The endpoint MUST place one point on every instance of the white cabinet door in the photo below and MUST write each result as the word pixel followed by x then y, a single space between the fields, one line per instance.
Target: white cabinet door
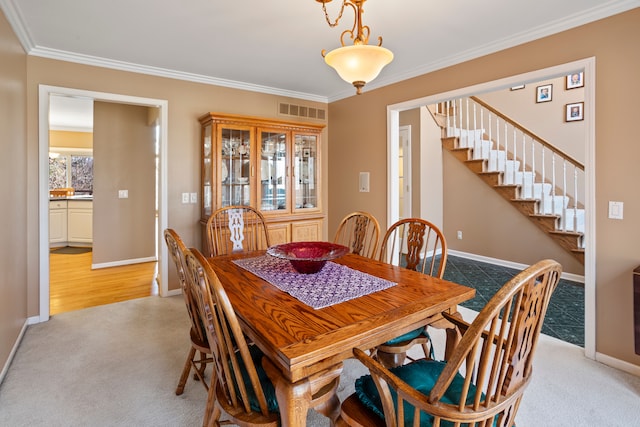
pixel 80 222
pixel 58 221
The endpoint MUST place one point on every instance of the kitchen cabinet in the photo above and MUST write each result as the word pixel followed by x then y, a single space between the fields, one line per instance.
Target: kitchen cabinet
pixel 80 221
pixel 57 223
pixel 269 164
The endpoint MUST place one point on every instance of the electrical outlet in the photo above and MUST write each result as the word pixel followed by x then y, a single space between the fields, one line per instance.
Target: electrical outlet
pixel 459 235
pixel 194 197
pixel 185 198
pixel 123 194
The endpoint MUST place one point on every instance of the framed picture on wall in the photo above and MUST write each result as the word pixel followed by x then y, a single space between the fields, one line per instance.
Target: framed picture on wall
pixel 574 112
pixel 575 80
pixel 544 93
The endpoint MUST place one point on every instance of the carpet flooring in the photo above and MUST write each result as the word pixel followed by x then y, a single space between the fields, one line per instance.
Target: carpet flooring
pixel 565 316
pixel 118 365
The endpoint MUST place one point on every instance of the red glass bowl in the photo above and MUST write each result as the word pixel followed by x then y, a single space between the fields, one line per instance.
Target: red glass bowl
pixel 308 257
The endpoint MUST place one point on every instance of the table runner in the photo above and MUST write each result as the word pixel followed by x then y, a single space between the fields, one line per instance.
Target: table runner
pixel 334 284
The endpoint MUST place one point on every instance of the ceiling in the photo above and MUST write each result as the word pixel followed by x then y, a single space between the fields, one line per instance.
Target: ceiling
pixel 274 46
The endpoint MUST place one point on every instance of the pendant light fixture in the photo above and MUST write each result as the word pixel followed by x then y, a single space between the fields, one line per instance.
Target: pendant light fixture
pixel 359 63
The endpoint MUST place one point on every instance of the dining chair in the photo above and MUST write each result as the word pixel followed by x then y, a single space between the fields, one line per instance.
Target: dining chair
pixel 484 379
pixel 236 229
pixel 243 391
pixel 419 245
pixel 359 231
pixel 197 335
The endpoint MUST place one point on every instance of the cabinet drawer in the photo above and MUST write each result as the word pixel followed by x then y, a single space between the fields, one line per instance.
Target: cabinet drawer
pixel 58 204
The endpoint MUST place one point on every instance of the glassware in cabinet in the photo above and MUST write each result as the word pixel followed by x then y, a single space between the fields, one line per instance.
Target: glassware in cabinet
pixel 273 171
pixel 235 166
pixel 306 171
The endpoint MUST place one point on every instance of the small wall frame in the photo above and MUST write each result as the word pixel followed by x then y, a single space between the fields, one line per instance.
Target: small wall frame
pixel 544 93
pixel 574 112
pixel 575 80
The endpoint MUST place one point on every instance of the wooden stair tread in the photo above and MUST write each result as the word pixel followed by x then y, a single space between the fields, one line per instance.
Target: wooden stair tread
pixel 568 240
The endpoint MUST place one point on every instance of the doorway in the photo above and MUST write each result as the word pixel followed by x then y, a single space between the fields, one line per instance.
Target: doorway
pixel 587 65
pixel 45 92
pixel 404 174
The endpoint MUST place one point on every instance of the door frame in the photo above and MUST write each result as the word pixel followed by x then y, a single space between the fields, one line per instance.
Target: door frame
pixel 589 66
pixel 406 172
pixel 44 92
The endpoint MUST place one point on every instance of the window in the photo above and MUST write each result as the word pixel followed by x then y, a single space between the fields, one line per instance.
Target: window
pixel 73 170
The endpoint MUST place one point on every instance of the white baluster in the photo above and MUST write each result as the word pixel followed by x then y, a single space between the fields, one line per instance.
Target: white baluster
pixel 564 193
pixel 553 183
pixel 544 167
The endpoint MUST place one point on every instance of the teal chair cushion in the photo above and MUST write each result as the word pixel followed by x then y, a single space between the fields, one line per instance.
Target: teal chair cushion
pixel 410 336
pixel 422 376
pixel 406 337
pixel 267 385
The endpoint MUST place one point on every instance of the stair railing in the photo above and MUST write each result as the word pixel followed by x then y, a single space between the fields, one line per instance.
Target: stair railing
pixel 523 157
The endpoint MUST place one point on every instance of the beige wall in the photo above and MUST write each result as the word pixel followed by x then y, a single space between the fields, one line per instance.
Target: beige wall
pixel 545 119
pixel 186 102
pixel 13 187
pixel 124 159
pixel 613 42
pixel 69 139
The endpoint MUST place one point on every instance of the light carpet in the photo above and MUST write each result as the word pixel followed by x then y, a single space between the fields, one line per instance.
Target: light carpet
pixel 118 365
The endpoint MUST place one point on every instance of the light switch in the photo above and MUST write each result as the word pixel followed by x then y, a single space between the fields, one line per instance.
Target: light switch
pixel 185 198
pixel 193 198
pixel 123 194
pixel 615 210
pixel 363 182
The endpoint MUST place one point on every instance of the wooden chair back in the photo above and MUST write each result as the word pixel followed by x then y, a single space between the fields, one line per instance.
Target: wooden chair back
pixel 416 244
pixel 177 249
pixel 360 232
pixel 237 381
pixel 494 355
pixel 236 229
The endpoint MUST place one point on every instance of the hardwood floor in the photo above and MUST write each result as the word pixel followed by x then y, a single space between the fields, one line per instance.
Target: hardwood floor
pixel 73 285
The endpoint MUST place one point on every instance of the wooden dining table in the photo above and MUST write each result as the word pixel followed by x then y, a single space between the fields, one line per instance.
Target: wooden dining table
pixel 305 347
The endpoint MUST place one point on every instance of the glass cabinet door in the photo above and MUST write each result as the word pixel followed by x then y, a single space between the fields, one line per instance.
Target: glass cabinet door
pixel 235 166
pixel 273 171
pixel 207 176
pixel 306 171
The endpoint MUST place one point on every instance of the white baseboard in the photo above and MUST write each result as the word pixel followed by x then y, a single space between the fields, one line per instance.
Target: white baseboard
pixel 621 365
pixel 123 262
pixel 5 368
pixel 509 264
pixel 173 292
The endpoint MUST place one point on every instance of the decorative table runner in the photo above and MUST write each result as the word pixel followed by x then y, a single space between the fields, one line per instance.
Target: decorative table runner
pixel 334 284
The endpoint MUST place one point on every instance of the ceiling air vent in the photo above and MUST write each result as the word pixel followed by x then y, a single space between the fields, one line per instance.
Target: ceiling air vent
pixel 285 109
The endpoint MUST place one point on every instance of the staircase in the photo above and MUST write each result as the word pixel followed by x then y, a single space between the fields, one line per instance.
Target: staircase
pixel 542 182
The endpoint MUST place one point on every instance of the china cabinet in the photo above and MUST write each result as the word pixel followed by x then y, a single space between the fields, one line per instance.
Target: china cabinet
pixel 272 165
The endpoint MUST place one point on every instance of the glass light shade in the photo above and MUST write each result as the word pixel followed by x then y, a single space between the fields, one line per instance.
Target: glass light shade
pixel 359 63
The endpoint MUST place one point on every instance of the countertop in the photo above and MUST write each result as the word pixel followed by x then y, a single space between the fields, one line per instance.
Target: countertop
pixel 79 197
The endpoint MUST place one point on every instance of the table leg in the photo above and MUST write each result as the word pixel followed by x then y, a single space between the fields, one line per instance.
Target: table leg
pixel 295 399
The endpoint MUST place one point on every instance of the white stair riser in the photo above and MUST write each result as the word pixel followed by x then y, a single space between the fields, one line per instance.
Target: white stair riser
pixel 570 219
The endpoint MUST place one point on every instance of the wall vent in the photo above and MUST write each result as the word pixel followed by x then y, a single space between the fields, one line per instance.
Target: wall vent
pixel 285 109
